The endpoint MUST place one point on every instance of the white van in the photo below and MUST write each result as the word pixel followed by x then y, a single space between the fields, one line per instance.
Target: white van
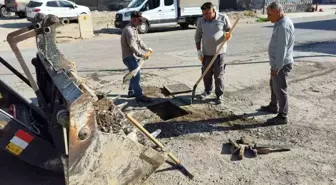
pixel 160 13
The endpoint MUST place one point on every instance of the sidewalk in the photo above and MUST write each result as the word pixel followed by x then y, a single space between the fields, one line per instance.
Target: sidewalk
pixel 327 10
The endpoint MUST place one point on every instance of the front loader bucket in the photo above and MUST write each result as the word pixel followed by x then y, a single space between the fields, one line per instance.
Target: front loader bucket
pixel 98 158
pixel 115 160
pixel 66 104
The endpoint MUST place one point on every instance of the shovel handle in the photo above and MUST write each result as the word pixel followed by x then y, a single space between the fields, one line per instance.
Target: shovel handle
pixel 141 63
pixel 150 136
pixel 214 57
pixel 158 143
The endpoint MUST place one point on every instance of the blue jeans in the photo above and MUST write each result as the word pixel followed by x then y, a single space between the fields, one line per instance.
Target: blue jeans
pixel 134 86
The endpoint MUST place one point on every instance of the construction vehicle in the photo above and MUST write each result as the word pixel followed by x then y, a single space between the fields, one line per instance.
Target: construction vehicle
pixel 59 133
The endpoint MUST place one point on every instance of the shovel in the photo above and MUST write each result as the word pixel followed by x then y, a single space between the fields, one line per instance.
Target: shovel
pixel 159 144
pixel 132 74
pixel 211 62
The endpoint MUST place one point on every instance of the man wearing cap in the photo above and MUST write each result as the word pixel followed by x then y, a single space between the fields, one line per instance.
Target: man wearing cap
pixel 130 46
pixel 210 31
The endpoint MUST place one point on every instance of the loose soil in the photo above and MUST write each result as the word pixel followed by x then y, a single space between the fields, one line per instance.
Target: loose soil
pixel 108 118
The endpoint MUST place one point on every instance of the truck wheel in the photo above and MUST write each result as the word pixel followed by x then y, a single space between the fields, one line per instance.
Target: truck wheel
pixel 196 21
pixel 65 21
pixel 4 12
pixel 21 15
pixel 143 28
pixel 184 25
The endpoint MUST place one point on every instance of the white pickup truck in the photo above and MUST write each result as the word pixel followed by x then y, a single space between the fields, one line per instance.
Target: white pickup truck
pixel 160 13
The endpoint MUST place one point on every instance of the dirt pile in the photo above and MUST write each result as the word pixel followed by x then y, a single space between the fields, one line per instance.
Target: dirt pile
pixel 109 119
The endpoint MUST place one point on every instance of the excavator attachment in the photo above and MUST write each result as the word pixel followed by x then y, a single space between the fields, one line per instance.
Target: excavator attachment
pixel 68 110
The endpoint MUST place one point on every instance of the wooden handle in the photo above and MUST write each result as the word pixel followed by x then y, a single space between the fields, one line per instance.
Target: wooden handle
pixel 219 49
pixel 241 153
pixel 141 63
pixel 234 143
pixel 158 143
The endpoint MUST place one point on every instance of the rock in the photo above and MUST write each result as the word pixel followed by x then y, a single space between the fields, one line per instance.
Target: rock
pixel 133 136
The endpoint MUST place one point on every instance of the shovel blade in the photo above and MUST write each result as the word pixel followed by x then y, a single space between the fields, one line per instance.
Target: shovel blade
pixel 130 75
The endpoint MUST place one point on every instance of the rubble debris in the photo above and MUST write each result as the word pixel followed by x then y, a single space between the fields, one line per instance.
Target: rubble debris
pixel 111 120
pixel 108 117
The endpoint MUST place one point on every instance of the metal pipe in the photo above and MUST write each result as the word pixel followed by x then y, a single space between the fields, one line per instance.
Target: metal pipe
pixel 13 70
pixel 13 39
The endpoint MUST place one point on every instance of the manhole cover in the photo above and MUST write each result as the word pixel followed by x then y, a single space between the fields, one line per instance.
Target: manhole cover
pixel 167 110
pixel 177 88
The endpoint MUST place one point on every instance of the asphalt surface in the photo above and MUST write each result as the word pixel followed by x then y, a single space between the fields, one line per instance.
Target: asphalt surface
pixel 172 47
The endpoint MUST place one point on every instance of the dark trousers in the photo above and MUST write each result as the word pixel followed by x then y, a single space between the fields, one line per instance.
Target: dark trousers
pixel 217 70
pixel 134 86
pixel 279 94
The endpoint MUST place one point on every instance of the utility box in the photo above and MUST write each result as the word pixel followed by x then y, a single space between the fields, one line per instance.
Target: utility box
pixel 85 26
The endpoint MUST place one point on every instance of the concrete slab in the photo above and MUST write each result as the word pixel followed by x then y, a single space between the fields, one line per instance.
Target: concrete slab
pixel 177 88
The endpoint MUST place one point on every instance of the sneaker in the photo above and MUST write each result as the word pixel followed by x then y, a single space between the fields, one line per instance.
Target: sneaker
pixel 219 100
pixel 270 108
pixel 205 95
pixel 278 120
pixel 144 99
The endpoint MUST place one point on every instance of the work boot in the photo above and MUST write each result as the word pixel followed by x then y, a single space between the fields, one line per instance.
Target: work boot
pixel 205 95
pixel 270 108
pixel 144 99
pixel 130 95
pixel 219 100
pixel 278 120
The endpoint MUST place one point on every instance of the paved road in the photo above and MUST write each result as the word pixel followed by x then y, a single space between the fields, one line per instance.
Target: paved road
pixel 171 48
pixel 176 47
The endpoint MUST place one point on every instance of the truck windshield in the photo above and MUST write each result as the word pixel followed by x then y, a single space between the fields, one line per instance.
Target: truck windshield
pixel 135 3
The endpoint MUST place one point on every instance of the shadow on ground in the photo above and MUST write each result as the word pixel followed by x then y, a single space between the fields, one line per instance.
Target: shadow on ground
pixel 327 25
pixel 16 172
pixel 153 30
pixel 228 123
pixel 327 47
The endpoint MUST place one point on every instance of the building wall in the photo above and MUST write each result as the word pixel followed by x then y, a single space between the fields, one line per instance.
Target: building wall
pixel 289 5
pixel 103 4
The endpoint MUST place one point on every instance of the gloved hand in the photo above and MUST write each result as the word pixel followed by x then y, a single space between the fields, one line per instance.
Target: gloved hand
pixel 228 36
pixel 200 55
pixel 150 50
pixel 146 55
